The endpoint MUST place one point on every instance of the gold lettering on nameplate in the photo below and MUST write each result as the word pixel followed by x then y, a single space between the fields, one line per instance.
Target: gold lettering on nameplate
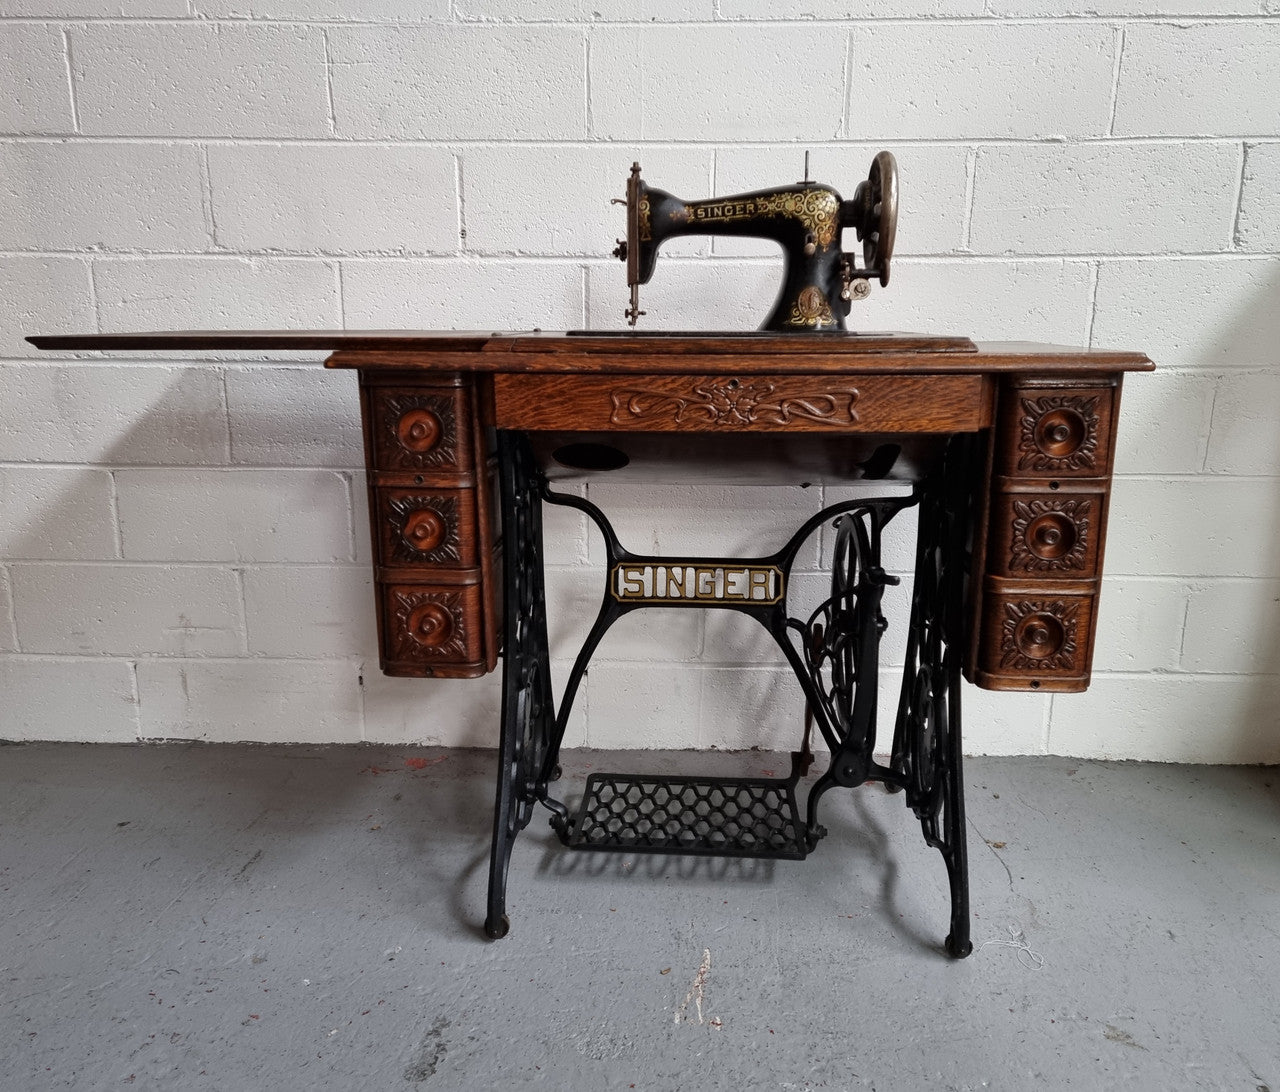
pixel 680 583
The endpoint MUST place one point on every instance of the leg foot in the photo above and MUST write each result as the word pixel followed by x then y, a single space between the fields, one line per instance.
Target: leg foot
pixel 496 930
pixel 958 949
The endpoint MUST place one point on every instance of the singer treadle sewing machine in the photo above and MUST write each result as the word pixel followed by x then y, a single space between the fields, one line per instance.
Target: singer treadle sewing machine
pixel 819 280
pixel 1007 449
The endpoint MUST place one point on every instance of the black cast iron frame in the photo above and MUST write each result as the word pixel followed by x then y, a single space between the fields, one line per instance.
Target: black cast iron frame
pixel 834 654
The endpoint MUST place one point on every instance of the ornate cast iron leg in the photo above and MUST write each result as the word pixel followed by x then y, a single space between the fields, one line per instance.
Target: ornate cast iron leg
pixel 835 655
pixel 528 713
pixel 927 745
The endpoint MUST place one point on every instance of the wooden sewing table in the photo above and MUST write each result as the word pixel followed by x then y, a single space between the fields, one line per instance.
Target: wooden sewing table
pixel 1009 447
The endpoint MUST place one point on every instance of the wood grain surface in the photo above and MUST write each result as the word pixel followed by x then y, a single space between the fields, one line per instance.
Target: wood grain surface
pixel 536 351
pixel 756 403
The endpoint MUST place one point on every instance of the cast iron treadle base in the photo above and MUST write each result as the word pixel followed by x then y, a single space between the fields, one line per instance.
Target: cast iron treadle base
pixel 709 816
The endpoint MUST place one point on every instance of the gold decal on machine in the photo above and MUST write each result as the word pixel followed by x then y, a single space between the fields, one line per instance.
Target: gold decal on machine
pixel 695 584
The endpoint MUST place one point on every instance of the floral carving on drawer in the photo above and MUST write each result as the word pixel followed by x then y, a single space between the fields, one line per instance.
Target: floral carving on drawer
pixel 1058 432
pixel 1039 635
pixel 419 431
pixel 1049 535
pixel 428 624
pixel 424 528
pixel 736 403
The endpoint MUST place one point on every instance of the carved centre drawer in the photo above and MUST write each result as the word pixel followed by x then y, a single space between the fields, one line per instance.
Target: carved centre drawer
pixel 741 403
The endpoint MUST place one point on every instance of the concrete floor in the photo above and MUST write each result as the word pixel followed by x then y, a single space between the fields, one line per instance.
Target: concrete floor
pixel 250 917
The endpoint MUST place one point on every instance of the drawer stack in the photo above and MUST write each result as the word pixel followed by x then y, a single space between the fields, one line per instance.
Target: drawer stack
pixel 1051 481
pixel 432 511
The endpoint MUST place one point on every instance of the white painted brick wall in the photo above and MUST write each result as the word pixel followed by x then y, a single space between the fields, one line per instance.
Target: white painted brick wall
pixel 110 197
pixel 1258 228
pixel 42 294
pixel 234 515
pixel 184 548
pixel 8 628
pixel 135 610
pixel 57 512
pixel 332 198
pixel 34 96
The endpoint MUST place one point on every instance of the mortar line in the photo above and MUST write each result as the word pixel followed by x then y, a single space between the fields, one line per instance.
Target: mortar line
pixel 1046 727
pixel 1182 637
pixel 237 574
pixel 600 257
pixel 137 699
pixel 589 121
pixel 460 196
pixel 92 295
pixel 226 420
pixel 172 563
pixel 206 196
pixel 1095 270
pixel 970 185
pixel 342 292
pixel 328 85
pixel 696 143
pixel 94 301
pixel 1234 243
pixel 349 481
pixel 13 608
pixel 213 468
pixel 845 107
pixel 114 506
pixel 1213 413
pixel 586 297
pixel 713 22
pixel 1115 79
pixel 71 80
pixel 361 719
pixel 781 667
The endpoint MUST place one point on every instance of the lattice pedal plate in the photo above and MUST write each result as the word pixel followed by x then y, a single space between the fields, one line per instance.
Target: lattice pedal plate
pixel 707 816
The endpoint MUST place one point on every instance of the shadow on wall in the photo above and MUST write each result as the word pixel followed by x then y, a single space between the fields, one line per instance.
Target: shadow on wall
pixel 152 442
pixel 1253 338
pixel 1252 334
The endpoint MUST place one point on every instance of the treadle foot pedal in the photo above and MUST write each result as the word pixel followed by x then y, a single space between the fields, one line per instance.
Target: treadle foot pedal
pixel 706 816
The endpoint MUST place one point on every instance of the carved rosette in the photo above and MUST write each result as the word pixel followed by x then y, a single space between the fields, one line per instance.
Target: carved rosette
pixel 1039 635
pixel 735 403
pixel 420 431
pixel 428 624
pixel 1050 536
pixel 424 529
pixel 1058 433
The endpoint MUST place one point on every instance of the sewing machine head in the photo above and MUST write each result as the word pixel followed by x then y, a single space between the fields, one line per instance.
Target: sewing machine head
pixel 820 281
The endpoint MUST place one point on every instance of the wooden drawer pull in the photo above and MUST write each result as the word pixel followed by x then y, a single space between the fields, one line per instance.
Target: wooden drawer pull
pixel 419 430
pixel 424 529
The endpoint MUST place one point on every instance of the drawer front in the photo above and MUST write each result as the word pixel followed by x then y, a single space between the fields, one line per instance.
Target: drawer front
pixel 759 403
pixel 426 526
pixel 433 524
pixel 1056 432
pixel 1037 641
pixel 420 428
pixel 1046 533
pixel 432 629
